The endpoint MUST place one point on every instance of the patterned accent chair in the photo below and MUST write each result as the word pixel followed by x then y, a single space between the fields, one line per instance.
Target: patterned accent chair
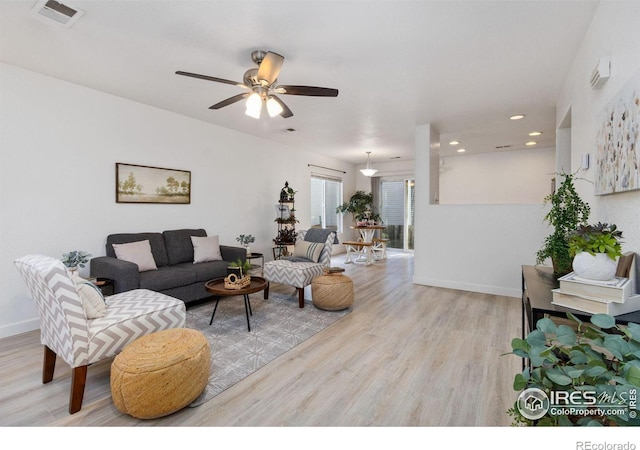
pixel 296 273
pixel 65 330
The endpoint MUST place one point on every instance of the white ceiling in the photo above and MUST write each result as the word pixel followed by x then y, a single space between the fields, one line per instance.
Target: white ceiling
pixel 462 66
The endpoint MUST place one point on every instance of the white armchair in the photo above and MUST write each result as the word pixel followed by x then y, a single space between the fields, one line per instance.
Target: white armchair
pixel 66 331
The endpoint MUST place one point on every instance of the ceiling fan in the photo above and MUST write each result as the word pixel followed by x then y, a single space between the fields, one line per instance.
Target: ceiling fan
pixel 261 85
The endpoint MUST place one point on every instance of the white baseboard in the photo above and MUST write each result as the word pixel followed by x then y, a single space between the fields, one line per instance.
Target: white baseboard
pixel 471 287
pixel 13 329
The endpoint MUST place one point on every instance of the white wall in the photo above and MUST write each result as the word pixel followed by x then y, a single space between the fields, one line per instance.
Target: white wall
pixel 613 32
pixel 518 176
pixel 481 247
pixel 477 248
pixel 58 149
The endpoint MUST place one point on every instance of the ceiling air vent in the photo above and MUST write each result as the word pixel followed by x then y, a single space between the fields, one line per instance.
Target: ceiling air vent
pixel 601 73
pixel 61 13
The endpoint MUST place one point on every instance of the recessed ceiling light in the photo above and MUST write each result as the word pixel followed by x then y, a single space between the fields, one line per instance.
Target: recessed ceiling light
pixel 517 117
pixel 454 143
pixel 535 133
pixel 530 143
pixel 461 150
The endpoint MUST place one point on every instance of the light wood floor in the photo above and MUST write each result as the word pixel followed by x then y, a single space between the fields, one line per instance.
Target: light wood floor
pixel 407 355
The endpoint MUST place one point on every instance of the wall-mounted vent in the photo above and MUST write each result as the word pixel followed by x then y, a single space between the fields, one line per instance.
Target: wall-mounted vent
pixel 503 146
pixel 62 13
pixel 601 73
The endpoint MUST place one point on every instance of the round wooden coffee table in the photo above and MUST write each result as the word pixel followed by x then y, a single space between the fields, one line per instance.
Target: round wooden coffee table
pixel 217 289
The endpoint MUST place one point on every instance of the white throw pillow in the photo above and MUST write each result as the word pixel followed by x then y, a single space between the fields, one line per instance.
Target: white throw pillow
pixel 309 250
pixel 92 300
pixel 206 249
pixel 138 253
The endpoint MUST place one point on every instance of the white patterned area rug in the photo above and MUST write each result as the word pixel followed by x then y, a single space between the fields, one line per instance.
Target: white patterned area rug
pixel 277 325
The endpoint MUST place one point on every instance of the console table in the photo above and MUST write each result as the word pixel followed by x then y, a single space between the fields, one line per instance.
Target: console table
pixel 537 283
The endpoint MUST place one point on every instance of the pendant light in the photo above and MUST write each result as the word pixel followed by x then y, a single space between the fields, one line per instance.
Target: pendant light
pixel 368 172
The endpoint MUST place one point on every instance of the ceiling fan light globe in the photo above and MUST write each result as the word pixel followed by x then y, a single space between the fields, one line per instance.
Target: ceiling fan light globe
pixel 273 107
pixel 254 106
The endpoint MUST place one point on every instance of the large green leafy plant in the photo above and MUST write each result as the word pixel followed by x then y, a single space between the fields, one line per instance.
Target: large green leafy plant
pixel 361 206
pixel 599 357
pixel 567 212
pixel 599 238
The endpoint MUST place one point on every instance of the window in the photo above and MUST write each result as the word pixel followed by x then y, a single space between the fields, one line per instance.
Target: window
pixel 326 196
pixel 397 200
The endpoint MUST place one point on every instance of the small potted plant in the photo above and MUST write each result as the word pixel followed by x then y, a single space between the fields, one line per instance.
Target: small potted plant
pixel 239 267
pixel 245 240
pixel 595 249
pixel 75 259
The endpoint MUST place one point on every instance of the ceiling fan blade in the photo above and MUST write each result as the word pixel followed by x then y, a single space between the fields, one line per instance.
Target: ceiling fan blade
pixel 286 112
pixel 270 67
pixel 207 77
pixel 230 100
pixel 312 91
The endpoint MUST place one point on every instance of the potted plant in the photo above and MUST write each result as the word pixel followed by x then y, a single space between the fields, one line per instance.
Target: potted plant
pixel 595 249
pixel 361 206
pixel 245 240
pixel 75 259
pixel 567 212
pixel 287 194
pixel 588 373
pixel 239 267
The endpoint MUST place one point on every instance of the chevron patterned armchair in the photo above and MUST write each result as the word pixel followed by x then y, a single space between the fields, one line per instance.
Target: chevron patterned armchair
pixel 299 272
pixel 66 332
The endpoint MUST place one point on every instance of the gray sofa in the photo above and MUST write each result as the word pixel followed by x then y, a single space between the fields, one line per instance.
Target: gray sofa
pixel 172 250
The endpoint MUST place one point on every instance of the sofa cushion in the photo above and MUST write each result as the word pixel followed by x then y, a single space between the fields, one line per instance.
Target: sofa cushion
pixel 166 278
pixel 156 240
pixel 309 250
pixel 138 253
pixel 207 270
pixel 179 245
pixel 206 249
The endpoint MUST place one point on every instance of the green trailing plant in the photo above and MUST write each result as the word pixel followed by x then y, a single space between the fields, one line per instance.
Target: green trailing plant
pixel 245 239
pixel 75 259
pixel 361 206
pixel 598 238
pixel 567 212
pixel 596 363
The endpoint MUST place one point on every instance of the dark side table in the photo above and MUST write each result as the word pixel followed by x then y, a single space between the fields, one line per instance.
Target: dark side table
pixel 537 283
pixel 260 256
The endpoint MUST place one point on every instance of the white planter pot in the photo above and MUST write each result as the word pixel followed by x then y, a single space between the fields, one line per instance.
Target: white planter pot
pixel 597 267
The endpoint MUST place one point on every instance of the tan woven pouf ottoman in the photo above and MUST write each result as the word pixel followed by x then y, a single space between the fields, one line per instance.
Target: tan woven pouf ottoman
pixel 332 291
pixel 161 373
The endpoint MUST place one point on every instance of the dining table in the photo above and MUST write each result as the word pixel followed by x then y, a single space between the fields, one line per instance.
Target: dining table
pixel 368 231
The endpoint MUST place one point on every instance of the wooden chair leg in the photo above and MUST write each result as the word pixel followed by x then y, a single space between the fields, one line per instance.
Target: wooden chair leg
pixel 301 297
pixel 78 381
pixel 48 365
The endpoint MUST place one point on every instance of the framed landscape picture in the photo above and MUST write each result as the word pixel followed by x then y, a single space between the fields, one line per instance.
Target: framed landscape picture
pixel 146 184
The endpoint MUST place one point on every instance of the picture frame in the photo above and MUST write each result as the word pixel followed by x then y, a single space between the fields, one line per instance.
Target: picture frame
pixel 283 211
pixel 149 184
pixel 617 150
